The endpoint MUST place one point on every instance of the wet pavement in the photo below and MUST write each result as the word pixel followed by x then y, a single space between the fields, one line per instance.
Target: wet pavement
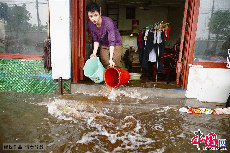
pixel 143 83
pixel 127 122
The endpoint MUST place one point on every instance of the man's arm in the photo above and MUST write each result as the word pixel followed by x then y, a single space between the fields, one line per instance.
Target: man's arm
pixel 95 48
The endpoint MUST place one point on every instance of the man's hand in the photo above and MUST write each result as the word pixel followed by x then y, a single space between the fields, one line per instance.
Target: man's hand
pixel 93 55
pixel 111 63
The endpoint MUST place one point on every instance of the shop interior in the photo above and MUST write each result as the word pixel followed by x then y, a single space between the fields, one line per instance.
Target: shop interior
pixel 139 22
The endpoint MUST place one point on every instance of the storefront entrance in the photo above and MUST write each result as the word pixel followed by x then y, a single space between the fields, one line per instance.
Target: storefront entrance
pixel 133 17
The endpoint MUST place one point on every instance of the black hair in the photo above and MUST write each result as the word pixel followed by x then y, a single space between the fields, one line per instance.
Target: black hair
pixel 92 7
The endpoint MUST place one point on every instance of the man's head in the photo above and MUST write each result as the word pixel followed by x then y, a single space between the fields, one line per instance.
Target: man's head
pixel 92 7
pixel 93 12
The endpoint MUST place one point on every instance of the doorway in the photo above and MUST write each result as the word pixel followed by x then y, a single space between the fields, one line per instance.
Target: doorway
pixel 145 14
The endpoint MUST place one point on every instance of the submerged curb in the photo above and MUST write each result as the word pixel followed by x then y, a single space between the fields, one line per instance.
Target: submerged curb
pixel 150 92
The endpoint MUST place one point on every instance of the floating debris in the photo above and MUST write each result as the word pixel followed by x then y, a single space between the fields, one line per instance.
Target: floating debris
pixel 217 111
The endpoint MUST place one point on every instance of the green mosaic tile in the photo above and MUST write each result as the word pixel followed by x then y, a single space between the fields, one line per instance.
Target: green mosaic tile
pixel 67 85
pixel 27 76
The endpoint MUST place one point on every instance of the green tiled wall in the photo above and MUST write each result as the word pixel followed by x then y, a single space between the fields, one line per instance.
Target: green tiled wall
pixel 27 76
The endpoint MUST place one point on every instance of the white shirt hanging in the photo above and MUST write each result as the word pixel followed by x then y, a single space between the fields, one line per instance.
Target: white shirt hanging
pixel 155 37
pixel 152 56
pixel 159 40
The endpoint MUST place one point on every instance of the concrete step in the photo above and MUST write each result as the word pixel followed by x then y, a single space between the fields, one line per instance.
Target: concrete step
pixel 99 89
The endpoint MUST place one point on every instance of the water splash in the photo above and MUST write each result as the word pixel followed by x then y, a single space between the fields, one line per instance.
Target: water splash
pixel 124 134
pixel 114 94
pixel 70 109
pixel 134 94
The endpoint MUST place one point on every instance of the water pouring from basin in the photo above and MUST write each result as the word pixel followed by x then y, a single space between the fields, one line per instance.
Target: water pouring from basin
pixel 115 77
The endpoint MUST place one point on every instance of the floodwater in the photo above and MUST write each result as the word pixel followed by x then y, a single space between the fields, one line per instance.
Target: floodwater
pixel 112 123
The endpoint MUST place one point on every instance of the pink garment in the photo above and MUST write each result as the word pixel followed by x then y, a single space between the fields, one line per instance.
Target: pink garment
pixel 168 30
pixel 139 40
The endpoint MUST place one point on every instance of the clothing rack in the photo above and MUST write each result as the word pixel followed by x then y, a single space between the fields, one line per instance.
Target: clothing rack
pixel 159 26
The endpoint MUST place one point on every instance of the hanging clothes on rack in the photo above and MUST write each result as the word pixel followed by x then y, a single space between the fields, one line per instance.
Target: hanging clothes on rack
pixel 152 56
pixel 157 40
pixel 146 48
pixel 151 43
pixel 159 48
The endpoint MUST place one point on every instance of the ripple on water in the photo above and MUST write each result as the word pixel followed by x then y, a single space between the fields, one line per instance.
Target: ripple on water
pixel 160 129
pixel 101 130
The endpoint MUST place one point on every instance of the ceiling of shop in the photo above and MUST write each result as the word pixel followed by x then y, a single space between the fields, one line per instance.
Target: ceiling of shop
pixel 147 3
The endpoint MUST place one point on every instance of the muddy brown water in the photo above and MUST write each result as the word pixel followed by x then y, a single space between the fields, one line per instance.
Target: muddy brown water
pixel 91 123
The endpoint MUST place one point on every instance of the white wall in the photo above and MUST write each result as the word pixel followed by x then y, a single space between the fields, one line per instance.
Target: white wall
pixel 146 17
pixel 60 38
pixel 208 84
